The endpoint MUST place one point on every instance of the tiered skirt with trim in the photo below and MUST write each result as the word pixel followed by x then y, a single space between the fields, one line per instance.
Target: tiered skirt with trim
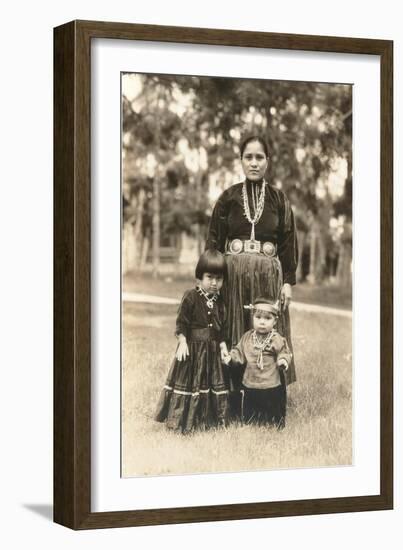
pixel 195 395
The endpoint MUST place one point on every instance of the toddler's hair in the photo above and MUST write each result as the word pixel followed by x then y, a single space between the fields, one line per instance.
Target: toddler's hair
pixel 211 261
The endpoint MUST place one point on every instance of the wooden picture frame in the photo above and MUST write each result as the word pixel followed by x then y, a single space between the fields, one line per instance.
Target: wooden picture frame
pixel 72 274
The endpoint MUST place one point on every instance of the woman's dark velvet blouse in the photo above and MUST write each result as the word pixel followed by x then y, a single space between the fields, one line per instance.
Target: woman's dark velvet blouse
pixel 276 225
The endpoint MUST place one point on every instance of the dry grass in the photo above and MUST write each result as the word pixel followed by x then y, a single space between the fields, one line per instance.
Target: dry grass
pixel 318 431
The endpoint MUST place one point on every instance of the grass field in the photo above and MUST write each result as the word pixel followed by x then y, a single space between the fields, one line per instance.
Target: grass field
pixel 319 419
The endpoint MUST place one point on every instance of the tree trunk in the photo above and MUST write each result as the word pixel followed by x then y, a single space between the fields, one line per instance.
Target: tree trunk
pixel 156 228
pixel 197 228
pixel 138 227
pixel 343 276
pixel 144 252
pixel 344 264
pixel 301 244
pixel 321 257
pixel 126 248
pixel 130 248
pixel 312 257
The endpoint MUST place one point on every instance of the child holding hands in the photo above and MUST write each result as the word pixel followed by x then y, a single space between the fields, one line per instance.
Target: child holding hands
pixel 195 394
pixel 265 355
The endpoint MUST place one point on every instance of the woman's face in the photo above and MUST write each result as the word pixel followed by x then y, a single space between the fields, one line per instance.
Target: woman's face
pixel 254 161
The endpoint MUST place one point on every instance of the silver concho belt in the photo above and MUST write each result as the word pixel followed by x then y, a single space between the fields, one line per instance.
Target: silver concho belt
pixel 237 246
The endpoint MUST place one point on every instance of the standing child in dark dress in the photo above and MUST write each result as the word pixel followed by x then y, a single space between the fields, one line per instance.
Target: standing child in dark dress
pixel 196 391
pixel 265 355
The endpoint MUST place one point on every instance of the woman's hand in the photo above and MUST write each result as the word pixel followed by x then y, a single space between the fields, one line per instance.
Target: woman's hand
pixel 286 295
pixel 182 351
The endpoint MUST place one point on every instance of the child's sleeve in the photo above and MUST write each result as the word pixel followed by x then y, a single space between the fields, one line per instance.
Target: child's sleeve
pixel 283 351
pixel 237 353
pixel 184 317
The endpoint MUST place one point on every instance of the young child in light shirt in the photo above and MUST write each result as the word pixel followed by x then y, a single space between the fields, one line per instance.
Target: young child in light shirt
pixel 265 355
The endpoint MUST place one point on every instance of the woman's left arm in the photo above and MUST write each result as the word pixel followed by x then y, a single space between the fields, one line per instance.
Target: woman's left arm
pixel 286 295
pixel 217 231
pixel 287 250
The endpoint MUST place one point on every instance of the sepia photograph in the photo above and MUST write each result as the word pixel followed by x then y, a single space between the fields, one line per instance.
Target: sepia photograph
pixel 236 274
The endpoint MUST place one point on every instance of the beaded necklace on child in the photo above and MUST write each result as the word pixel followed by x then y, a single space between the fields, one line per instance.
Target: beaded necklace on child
pixel 261 345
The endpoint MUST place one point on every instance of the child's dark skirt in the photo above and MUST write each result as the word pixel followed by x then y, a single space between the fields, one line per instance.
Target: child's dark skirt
pixel 195 395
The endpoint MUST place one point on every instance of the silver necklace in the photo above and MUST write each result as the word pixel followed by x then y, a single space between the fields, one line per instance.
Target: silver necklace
pixel 258 208
pixel 209 300
pixel 261 345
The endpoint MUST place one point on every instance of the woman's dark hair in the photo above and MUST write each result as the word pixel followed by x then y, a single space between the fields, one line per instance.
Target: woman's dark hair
pixel 211 261
pixel 250 139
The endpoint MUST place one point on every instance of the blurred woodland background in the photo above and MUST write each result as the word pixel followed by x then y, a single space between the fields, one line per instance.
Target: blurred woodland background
pixel 180 149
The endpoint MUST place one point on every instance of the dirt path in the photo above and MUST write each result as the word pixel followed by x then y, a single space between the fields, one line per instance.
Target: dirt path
pixel 299 306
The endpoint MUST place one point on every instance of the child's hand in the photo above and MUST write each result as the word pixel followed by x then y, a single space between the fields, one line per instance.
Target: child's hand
pixel 225 356
pixel 282 364
pixel 182 351
pixel 223 351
